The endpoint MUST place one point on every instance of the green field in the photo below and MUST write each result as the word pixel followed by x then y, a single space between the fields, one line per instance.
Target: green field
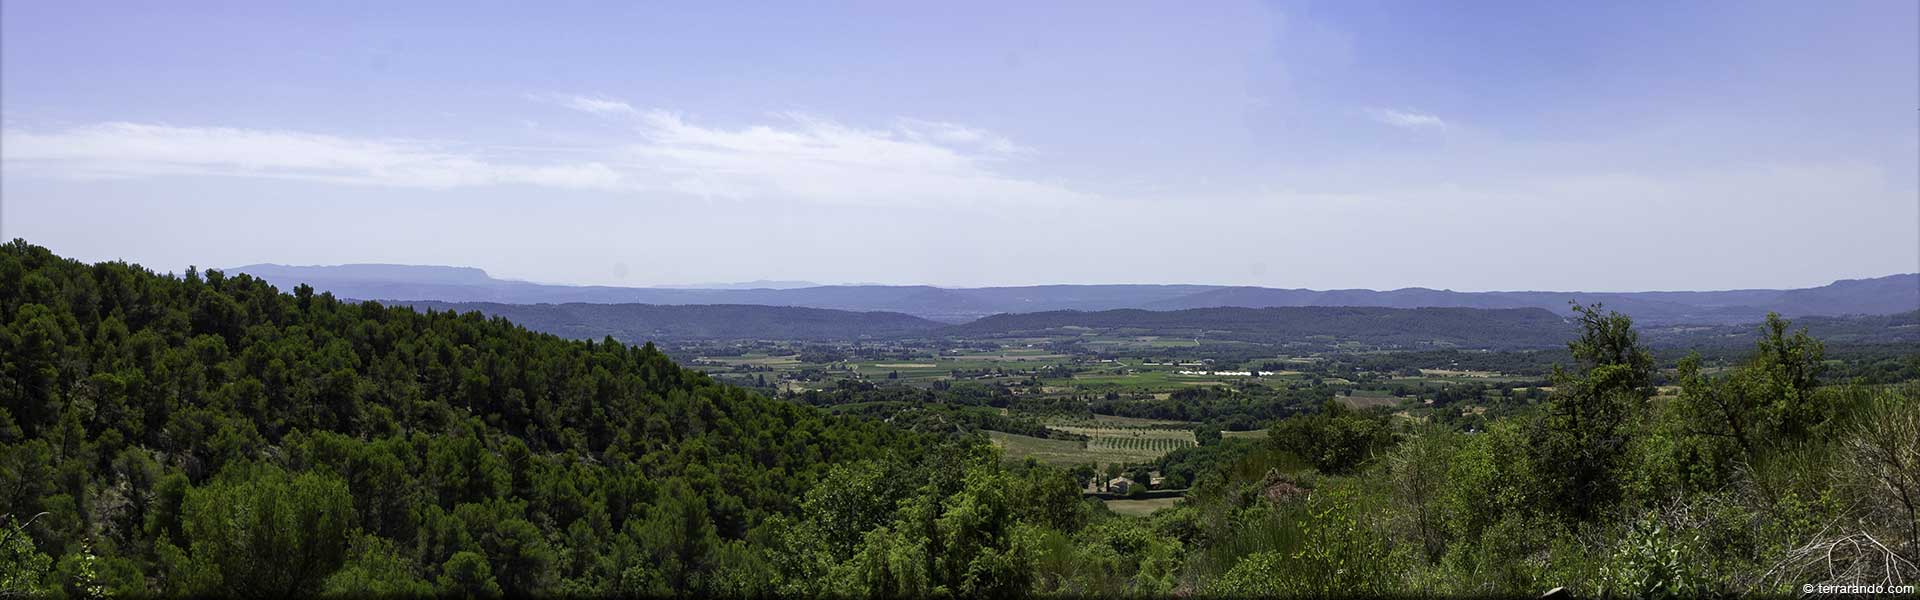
pixel 1098 451
pixel 1156 441
pixel 1111 440
pixel 1024 360
pixel 789 360
pixel 1065 452
pixel 1141 508
pixel 1039 372
pixel 1363 399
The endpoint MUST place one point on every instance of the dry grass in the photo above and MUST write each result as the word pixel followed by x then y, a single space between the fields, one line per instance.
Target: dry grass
pixel 1359 402
pixel 1140 508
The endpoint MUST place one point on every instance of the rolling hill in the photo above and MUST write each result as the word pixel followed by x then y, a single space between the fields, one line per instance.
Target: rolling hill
pixel 638 323
pixel 1903 328
pixel 1878 296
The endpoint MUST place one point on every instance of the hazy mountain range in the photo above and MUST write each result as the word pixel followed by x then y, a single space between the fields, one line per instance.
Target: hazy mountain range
pixel 638 323
pixel 757 284
pixel 1878 296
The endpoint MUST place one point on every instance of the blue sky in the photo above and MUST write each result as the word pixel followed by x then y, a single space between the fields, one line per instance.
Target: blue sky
pixel 1462 145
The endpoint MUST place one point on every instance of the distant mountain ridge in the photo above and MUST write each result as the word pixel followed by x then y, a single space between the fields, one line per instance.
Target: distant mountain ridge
pixel 1877 296
pixel 757 284
pixel 640 323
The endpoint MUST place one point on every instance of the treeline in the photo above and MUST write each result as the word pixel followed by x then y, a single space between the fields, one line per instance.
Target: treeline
pixel 1317 326
pixel 1361 367
pixel 1240 408
pixel 953 407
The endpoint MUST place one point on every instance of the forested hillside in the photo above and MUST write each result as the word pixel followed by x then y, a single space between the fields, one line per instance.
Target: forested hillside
pixel 1902 328
pixel 1877 296
pixel 207 435
pixel 640 323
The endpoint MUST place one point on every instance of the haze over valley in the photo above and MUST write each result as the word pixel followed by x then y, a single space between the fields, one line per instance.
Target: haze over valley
pixel 1878 296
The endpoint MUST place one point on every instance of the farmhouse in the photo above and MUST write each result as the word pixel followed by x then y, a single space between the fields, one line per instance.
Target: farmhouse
pixel 1120 485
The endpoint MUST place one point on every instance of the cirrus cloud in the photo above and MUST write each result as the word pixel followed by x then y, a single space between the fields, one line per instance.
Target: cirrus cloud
pixel 1406 119
pixel 125 150
pixel 791 156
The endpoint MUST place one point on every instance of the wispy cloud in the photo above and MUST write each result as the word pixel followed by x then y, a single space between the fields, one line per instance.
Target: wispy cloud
pixel 1406 119
pixel 790 156
pixel 818 159
pixel 122 150
pixel 593 104
pixel 954 133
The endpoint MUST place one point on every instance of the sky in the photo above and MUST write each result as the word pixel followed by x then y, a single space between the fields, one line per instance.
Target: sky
pixel 1458 145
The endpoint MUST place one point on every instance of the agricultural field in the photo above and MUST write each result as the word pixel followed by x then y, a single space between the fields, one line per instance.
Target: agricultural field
pixel 1439 376
pixel 1144 342
pixel 1117 421
pixel 1091 367
pixel 1045 382
pixel 1141 508
pixel 1162 445
pixel 1110 440
pixel 1364 399
pixel 1066 452
pixel 1161 378
pixel 1458 373
pixel 779 361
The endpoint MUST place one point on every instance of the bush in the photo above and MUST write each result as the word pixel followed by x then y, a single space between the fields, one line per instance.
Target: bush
pixel 1654 561
pixel 467 575
pixel 1336 440
pixel 261 532
pixel 23 569
pixel 376 568
pixel 1329 548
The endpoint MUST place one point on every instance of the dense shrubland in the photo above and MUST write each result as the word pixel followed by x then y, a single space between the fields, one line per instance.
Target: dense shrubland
pixel 207 435
pixel 1760 478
